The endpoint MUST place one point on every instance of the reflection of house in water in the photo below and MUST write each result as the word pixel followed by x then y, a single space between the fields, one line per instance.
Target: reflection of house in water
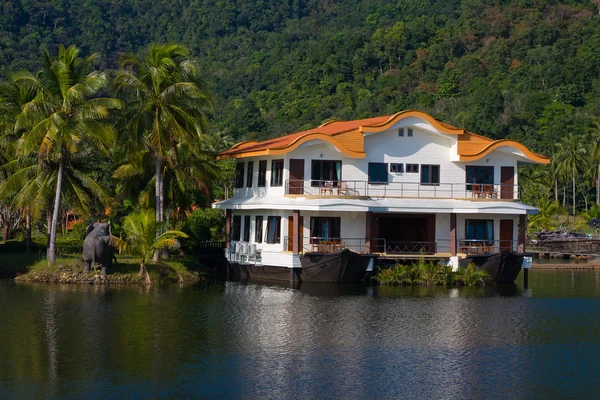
pixel 444 343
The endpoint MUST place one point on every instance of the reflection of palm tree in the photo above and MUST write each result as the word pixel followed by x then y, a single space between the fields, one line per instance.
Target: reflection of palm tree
pixel 571 156
pixel 63 114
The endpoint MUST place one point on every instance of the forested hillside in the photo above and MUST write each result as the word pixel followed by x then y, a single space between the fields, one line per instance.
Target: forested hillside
pixel 525 69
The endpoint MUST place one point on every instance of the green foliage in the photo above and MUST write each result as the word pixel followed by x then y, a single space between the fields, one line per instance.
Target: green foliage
pixel 421 273
pixel 201 225
pixel 471 276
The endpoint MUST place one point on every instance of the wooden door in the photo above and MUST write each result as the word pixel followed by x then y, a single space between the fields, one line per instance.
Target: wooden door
pixel 296 182
pixel 506 234
pixel 507 179
pixel 290 241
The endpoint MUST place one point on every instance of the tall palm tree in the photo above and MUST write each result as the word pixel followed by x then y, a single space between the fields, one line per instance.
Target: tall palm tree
pixel 66 116
pixel 572 157
pixel 168 106
pixel 140 232
pixel 594 131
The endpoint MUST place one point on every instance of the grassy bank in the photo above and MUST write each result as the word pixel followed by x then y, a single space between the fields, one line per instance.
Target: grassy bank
pixel 69 269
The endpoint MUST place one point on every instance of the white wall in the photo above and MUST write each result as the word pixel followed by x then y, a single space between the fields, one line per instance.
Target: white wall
pixel 424 147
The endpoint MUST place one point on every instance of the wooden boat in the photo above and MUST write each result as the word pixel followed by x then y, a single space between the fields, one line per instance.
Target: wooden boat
pixel 342 266
pixel 503 267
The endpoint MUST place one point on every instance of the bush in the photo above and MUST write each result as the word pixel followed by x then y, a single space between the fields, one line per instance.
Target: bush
pixel 429 273
pixel 203 225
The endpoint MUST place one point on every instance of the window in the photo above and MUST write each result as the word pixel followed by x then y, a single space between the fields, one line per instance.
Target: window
pixel 410 132
pixel 401 132
pixel 246 228
pixel 236 228
pixel 325 228
pixel 479 229
pixel 479 174
pixel 249 174
pixel 412 168
pixel 378 172
pixel 258 229
pixel 273 229
pixel 238 180
pixel 325 170
pixel 430 174
pixel 396 167
pixel 277 173
pixel 262 173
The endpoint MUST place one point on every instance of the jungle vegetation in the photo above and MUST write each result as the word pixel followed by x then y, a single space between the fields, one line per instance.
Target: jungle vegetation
pixel 527 70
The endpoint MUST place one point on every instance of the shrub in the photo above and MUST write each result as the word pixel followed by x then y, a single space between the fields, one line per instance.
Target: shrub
pixel 470 275
pixel 205 224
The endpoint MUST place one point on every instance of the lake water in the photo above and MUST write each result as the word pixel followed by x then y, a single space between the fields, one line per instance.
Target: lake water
pixel 249 341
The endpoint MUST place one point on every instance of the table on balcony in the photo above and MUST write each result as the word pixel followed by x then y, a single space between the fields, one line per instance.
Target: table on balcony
pixel 484 191
pixel 327 246
pixel 326 188
pixel 475 247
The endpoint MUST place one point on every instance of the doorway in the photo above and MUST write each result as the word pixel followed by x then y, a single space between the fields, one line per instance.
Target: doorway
pixel 506 234
pixel 290 241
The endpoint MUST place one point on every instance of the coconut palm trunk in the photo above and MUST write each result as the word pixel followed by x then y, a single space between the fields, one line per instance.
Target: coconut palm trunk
pixel 574 192
pixel 52 233
pixel 28 232
pixel 598 185
pixel 158 199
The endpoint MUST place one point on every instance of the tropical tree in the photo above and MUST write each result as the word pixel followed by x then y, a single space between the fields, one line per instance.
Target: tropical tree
pixel 168 112
pixel 66 119
pixel 140 238
pixel 594 131
pixel 572 157
pixel 546 210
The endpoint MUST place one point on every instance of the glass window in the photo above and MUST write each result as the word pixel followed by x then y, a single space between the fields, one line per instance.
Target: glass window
pixel 262 173
pixel 246 228
pixel 430 174
pixel 394 167
pixel 412 168
pixel 236 228
pixel 378 172
pixel 325 170
pixel 410 132
pixel 479 229
pixel 479 174
pixel 325 228
pixel 277 173
pixel 401 132
pixel 249 173
pixel 258 229
pixel 238 181
pixel 273 229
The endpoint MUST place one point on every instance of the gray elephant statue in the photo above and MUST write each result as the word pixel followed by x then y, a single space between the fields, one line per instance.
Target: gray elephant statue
pixel 96 247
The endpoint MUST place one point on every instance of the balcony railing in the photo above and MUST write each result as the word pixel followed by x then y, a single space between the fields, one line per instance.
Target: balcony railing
pixel 384 246
pixel 403 189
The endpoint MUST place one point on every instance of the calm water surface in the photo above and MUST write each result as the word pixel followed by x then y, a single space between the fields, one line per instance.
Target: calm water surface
pixel 240 340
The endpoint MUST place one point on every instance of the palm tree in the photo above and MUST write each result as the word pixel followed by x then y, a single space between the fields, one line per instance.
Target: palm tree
pixel 546 210
pixel 571 156
pixel 65 117
pixel 168 106
pixel 140 231
pixel 594 131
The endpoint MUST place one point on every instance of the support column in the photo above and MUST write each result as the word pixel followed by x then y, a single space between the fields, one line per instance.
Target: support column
pixel 296 245
pixel 368 232
pixel 227 227
pixel 522 229
pixel 453 241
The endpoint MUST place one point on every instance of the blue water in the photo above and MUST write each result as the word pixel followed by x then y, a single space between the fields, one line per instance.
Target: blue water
pixel 242 340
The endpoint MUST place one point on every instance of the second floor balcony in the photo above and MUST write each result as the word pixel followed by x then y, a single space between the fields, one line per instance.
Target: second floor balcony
pixel 365 189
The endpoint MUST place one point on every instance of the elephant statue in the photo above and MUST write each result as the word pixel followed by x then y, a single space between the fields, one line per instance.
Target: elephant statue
pixel 96 248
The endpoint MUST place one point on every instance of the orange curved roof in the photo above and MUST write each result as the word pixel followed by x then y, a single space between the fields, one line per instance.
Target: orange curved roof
pixel 348 138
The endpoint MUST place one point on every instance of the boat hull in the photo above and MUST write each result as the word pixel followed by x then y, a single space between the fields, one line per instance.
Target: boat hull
pixel 344 266
pixel 502 267
pixel 263 272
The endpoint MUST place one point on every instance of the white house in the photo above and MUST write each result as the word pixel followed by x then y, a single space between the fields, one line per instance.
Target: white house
pixel 395 185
